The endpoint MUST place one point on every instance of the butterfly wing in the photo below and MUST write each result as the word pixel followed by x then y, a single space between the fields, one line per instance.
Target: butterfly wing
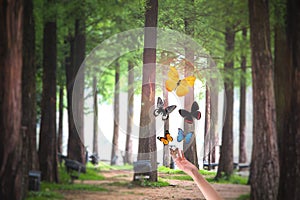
pixel 188 137
pixel 183 88
pixel 180 135
pixel 166 112
pixel 195 110
pixel 173 78
pixel 190 80
pixel 186 115
pixel 160 103
pixel 163 140
pixel 169 137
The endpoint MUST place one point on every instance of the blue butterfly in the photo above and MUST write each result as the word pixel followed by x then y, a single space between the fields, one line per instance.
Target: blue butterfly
pixel 181 136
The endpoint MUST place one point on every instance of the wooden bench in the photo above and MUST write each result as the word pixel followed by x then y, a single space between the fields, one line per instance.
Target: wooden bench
pixel 74 166
pixel 142 169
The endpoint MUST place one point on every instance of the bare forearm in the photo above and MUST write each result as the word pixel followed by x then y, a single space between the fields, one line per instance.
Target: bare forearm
pixel 207 190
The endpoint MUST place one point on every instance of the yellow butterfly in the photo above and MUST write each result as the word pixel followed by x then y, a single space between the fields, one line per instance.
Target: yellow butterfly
pixel 181 86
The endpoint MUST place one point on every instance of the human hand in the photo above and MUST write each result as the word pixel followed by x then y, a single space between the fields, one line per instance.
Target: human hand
pixel 182 162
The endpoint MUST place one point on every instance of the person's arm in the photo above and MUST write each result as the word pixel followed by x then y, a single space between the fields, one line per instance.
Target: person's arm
pixel 207 190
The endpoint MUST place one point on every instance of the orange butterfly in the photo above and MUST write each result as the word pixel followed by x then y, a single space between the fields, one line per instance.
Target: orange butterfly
pixel 181 86
pixel 168 138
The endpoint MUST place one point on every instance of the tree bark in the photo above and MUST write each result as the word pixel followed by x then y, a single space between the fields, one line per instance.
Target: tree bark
pixel 264 171
pixel 166 148
pixel 190 150
pixel 226 157
pixel 60 120
pixel 29 86
pixel 147 132
pixel 95 135
pixel 287 90
pixel 76 148
pixel 242 144
pixel 115 140
pixel 48 138
pixel 207 133
pixel 130 100
pixel 11 36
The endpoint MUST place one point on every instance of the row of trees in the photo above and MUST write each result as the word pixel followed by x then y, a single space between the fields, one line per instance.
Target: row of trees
pixel 24 57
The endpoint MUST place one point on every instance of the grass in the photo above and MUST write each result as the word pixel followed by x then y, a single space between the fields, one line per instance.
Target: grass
pixel 233 179
pixel 49 190
pixel 244 197
pixel 167 170
pixel 106 167
pixel 160 183
pixel 209 175
pixel 44 195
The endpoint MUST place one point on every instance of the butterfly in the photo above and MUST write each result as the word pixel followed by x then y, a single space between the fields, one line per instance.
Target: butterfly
pixel 188 116
pixel 168 138
pixel 181 136
pixel 163 111
pixel 174 152
pixel 181 86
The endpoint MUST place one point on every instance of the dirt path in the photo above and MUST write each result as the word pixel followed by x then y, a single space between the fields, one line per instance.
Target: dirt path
pixel 119 188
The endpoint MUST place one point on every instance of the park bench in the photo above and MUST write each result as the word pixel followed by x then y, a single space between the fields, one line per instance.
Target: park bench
pixel 208 166
pixel 34 180
pixel 94 159
pixel 142 169
pixel 74 168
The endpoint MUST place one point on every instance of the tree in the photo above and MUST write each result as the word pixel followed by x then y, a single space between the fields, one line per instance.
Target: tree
pixel 207 134
pixel 130 99
pixel 287 86
pixel 60 120
pixel 226 157
pixel 76 149
pixel 115 139
pixel 29 86
pixel 95 135
pixel 242 145
pixel 264 171
pixel 147 132
pixel 48 138
pixel 190 150
pixel 11 24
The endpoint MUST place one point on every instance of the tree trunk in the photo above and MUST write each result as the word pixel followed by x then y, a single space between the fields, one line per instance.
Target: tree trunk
pixel 166 149
pixel 76 148
pixel 264 172
pixel 214 110
pixel 28 86
pixel 226 157
pixel 207 133
pixel 287 87
pixel 242 147
pixel 95 135
pixel 60 120
pixel 147 132
pixel 130 99
pixel 48 138
pixel 190 150
pixel 115 140
pixel 11 169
